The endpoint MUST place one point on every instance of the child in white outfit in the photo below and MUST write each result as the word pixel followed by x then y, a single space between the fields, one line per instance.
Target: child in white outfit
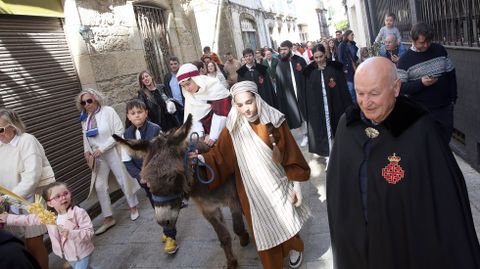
pixel 71 237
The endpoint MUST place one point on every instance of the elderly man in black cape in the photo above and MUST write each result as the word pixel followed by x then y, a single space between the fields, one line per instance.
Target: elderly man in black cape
pixel 290 86
pixel 327 97
pixel 257 73
pixel 396 197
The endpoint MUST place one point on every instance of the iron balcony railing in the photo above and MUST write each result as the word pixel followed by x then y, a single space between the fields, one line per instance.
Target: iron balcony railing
pixel 455 22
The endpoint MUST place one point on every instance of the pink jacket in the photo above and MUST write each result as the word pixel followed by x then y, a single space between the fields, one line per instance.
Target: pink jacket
pixel 77 246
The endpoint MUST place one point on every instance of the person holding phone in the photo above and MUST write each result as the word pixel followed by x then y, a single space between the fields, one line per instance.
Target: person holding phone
pixel 391 49
pixel 428 77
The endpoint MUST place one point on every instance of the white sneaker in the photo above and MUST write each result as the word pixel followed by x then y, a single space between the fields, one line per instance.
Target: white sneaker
pixel 304 142
pixel 296 258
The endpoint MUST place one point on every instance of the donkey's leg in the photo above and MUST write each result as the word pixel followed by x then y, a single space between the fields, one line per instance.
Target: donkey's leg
pixel 237 219
pixel 215 217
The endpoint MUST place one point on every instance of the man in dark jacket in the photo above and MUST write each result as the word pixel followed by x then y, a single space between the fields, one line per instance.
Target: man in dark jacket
pixel 257 73
pixel 428 77
pixel 396 196
pixel 291 88
pixel 173 89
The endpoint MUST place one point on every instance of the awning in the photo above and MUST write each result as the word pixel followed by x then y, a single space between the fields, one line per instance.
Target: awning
pixel 40 8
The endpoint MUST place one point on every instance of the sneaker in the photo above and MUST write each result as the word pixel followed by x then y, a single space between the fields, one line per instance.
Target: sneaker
pixel 304 142
pixel 164 238
pixel 170 246
pixel 105 227
pixel 295 258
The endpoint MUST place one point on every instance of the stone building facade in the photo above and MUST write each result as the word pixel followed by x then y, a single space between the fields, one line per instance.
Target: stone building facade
pixel 119 46
pixel 233 25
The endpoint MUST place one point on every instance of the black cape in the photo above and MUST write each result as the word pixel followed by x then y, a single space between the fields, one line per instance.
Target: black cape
pixel 422 221
pixel 14 254
pixel 259 75
pixel 338 99
pixel 292 106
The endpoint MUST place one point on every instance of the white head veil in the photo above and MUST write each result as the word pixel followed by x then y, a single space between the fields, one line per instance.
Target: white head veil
pixel 266 113
pixel 210 89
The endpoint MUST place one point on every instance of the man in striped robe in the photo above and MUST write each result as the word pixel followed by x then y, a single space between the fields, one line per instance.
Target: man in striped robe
pixel 258 148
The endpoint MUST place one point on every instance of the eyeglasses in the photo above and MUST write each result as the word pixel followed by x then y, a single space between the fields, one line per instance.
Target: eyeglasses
pixel 2 129
pixel 60 196
pixel 88 101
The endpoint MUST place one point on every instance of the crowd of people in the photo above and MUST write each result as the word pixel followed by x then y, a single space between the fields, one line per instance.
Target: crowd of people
pixel 396 197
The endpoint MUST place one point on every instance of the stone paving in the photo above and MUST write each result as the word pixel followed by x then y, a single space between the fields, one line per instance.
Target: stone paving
pixel 136 244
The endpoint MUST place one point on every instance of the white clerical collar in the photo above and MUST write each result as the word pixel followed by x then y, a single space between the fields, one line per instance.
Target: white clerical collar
pixel 13 142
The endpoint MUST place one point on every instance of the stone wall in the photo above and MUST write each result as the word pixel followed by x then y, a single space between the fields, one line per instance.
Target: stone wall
pixel 111 61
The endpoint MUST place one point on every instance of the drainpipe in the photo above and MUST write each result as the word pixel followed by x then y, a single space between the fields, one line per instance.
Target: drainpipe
pixel 217 25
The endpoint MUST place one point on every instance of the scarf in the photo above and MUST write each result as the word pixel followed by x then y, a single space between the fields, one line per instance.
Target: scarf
pixel 211 89
pixel 265 113
pixel 92 127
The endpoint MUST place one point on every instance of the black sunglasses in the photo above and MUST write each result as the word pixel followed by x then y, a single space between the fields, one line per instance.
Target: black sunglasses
pixel 89 101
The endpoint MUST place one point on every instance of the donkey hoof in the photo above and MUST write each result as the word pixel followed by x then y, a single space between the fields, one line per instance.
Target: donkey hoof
pixel 233 264
pixel 244 239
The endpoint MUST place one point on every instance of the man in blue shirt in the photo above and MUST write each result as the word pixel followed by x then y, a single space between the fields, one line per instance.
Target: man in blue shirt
pixel 392 49
pixel 173 89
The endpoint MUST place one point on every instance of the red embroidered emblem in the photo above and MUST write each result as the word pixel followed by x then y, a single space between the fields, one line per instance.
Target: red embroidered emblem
pixel 260 79
pixel 393 172
pixel 332 83
pixel 298 67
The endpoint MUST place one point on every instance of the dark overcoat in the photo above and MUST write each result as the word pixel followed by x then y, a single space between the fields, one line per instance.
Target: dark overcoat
pixel 291 104
pixel 338 99
pixel 259 75
pixel 415 213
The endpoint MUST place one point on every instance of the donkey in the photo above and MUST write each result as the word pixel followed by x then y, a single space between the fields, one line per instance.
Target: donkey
pixel 171 178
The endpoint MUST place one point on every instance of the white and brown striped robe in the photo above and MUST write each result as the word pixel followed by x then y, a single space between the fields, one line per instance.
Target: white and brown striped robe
pixel 223 160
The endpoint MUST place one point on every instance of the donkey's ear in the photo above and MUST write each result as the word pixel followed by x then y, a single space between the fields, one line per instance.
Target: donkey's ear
pixel 181 133
pixel 137 148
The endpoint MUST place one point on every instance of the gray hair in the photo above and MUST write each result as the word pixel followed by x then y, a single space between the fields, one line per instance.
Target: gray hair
pixel 13 119
pixel 96 95
pixel 391 35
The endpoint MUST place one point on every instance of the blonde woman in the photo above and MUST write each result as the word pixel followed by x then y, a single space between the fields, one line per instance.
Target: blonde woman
pixel 99 123
pixel 21 170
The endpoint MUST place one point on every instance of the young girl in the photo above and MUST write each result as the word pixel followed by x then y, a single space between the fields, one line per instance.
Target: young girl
pixel 72 236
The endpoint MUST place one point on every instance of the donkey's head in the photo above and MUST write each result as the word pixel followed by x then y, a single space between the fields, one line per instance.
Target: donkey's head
pixel 164 170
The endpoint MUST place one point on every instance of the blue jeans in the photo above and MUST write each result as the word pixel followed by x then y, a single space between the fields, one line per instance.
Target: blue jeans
pixel 81 264
pixel 351 90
